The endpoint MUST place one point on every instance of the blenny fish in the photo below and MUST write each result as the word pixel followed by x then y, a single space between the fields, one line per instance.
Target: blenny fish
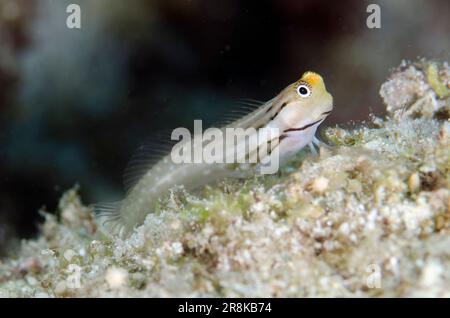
pixel 296 112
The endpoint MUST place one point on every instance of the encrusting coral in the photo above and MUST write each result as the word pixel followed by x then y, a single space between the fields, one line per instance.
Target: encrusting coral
pixel 369 217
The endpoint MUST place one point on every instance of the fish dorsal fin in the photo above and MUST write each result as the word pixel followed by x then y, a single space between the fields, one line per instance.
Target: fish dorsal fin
pixel 108 218
pixel 146 156
pixel 243 108
pixel 160 145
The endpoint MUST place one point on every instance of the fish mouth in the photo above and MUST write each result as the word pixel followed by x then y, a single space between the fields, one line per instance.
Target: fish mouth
pixel 327 112
pixel 330 109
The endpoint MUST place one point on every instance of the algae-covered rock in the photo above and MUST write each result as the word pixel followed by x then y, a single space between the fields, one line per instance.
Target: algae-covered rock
pixel 421 89
pixel 368 217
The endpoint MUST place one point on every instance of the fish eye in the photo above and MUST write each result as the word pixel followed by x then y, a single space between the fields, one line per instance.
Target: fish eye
pixel 303 90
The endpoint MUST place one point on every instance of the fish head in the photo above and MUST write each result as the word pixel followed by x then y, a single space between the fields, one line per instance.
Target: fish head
pixel 306 100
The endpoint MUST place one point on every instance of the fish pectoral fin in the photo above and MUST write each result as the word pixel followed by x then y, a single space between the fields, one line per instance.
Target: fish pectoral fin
pixel 319 143
pixel 313 149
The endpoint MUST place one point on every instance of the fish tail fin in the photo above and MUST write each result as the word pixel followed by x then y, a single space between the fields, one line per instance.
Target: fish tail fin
pixel 109 219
